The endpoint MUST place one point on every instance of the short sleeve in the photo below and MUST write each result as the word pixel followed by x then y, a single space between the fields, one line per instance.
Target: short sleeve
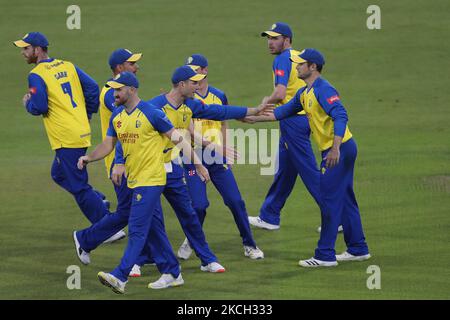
pixel 282 70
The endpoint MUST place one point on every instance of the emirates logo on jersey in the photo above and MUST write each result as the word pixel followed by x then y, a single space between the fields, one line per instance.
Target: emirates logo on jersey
pixel 279 72
pixel 119 124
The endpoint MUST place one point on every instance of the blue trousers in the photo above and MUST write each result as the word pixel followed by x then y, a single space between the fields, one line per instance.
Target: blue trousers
pixel 339 204
pixel 295 156
pixel 176 193
pixel 223 179
pixel 66 174
pixel 146 225
pixel 90 238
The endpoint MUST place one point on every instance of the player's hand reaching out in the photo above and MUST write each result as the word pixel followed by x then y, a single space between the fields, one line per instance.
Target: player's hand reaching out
pixel 264 109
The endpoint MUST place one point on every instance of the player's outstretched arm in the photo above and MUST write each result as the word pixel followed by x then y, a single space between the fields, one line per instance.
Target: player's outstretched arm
pixel 265 109
pixel 101 151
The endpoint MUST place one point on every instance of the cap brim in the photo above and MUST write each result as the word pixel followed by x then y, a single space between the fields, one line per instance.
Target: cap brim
pixel 21 44
pixel 297 59
pixel 270 33
pixel 198 77
pixel 193 67
pixel 135 57
pixel 114 84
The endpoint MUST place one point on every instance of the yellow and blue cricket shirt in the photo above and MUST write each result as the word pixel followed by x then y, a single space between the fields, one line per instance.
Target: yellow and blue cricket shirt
pixel 180 116
pixel 66 97
pixel 142 143
pixel 210 129
pixel 326 114
pixel 284 72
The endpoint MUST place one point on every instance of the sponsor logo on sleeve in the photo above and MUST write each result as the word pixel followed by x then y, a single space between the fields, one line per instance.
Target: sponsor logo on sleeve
pixel 279 72
pixel 333 99
pixel 33 90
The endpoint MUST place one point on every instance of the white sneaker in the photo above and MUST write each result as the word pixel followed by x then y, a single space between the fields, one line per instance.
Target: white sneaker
pixel 107 279
pixel 135 271
pixel 118 236
pixel 185 250
pixel 253 253
pixel 340 229
pixel 349 257
pixel 258 222
pixel 314 263
pixel 166 281
pixel 82 255
pixel 213 267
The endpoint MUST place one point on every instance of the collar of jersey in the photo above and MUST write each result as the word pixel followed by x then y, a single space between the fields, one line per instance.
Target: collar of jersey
pixel 137 106
pixel 46 60
pixel 315 84
pixel 203 97
pixel 173 107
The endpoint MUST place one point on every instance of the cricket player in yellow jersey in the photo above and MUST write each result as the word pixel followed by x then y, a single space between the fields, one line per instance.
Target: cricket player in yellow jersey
pixel 220 173
pixel 142 131
pixel 180 107
pixel 295 154
pixel 110 227
pixel 120 60
pixel 66 97
pixel 328 119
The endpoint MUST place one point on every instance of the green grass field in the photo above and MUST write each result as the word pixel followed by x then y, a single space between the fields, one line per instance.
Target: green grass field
pixel 395 86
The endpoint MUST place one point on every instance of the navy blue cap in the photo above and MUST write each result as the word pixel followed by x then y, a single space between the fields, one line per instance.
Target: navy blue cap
pixel 35 39
pixel 184 73
pixel 196 61
pixel 310 55
pixel 119 56
pixel 278 29
pixel 124 79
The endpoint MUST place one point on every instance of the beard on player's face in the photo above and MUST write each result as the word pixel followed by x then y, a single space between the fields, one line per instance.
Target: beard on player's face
pixel 121 96
pixel 29 54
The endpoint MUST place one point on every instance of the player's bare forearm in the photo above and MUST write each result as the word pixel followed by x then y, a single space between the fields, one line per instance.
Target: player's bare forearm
pixel 278 94
pixel 262 109
pixel 337 142
pixel 262 118
pixel 103 149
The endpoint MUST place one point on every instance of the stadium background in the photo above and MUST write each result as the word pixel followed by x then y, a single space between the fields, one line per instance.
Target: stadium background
pixel 393 81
